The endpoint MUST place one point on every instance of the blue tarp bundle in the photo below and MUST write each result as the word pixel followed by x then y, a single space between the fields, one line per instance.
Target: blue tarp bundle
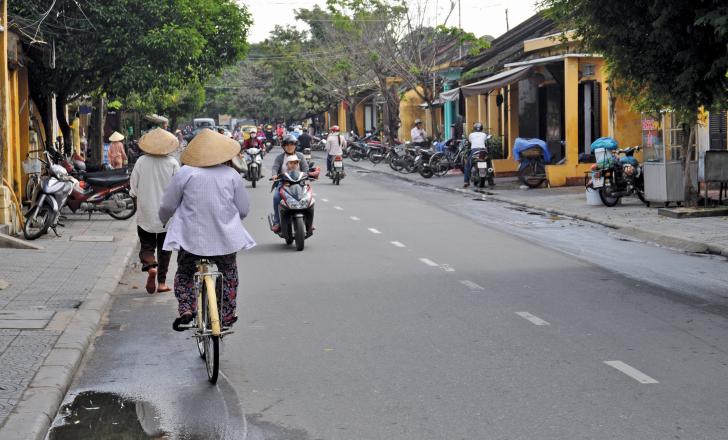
pixel 604 142
pixel 523 144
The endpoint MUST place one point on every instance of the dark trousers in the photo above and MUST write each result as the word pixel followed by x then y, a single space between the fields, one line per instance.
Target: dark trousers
pixel 184 282
pixel 151 253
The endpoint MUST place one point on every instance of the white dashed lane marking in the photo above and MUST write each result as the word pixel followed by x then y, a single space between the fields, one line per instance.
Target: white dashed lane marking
pixel 324 200
pixel 471 285
pixel 374 231
pixel 398 244
pixel 338 208
pixel 533 319
pixel 429 262
pixel 631 372
pixel 356 219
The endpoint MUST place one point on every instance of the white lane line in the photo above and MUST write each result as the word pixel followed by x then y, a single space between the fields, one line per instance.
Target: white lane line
pixel 398 244
pixel 324 200
pixel 338 208
pixel 447 268
pixel 534 319
pixel 374 231
pixel 429 262
pixel 356 219
pixel 631 372
pixel 471 285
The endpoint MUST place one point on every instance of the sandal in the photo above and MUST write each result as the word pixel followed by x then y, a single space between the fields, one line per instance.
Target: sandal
pixel 183 319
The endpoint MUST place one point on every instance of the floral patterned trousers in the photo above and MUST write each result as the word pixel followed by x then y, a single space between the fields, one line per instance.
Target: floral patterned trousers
pixel 184 282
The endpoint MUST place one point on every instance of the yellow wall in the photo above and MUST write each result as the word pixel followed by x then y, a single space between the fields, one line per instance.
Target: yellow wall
pixel 359 117
pixel 342 118
pixel 409 110
pixel 471 113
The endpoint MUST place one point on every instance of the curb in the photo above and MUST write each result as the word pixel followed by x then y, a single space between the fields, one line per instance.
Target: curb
pixel 32 416
pixel 690 246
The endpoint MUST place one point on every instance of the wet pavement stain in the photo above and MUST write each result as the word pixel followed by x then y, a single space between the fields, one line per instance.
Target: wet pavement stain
pixel 259 429
pixel 109 416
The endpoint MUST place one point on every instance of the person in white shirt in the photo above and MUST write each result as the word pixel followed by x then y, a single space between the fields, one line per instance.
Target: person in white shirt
pixel 149 178
pixel 477 140
pixel 335 145
pixel 418 134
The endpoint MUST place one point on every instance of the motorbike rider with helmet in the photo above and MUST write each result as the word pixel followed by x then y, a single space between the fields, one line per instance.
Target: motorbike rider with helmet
pixel 252 140
pixel 269 132
pixel 289 149
pixel 335 145
pixel 477 140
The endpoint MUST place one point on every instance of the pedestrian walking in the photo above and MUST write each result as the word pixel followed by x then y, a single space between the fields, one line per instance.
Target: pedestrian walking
pixel 150 177
pixel 117 154
pixel 204 205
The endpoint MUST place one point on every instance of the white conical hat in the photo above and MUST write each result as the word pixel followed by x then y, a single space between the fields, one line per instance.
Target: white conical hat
pixel 116 137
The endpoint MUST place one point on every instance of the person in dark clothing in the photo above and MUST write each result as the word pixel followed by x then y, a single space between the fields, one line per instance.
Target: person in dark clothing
pixel 304 141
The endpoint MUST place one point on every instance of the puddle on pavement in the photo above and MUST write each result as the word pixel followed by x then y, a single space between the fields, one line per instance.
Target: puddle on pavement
pixel 108 416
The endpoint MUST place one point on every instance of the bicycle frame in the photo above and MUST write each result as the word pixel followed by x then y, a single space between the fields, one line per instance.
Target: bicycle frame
pixel 208 278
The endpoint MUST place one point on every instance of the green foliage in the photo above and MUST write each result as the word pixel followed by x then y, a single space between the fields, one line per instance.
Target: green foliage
pixel 661 53
pixel 126 48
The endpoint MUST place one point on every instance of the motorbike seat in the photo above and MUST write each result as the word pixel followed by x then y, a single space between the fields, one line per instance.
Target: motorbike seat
pixel 107 180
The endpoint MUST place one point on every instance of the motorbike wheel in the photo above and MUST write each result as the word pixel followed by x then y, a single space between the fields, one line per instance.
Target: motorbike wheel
pixel 641 195
pixel 37 223
pixel 408 164
pixel 607 199
pixel 300 233
pixel 119 197
pixel 439 165
pixel 375 156
pixel 530 175
pixel 481 182
pixel 253 178
pixel 425 171
pixel 355 154
pixel 289 237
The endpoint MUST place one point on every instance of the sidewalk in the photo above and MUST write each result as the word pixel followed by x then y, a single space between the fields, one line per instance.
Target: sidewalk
pixel 632 218
pixel 51 303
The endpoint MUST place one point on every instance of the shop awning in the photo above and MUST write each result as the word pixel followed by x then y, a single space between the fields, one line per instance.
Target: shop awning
pixel 450 95
pixel 496 81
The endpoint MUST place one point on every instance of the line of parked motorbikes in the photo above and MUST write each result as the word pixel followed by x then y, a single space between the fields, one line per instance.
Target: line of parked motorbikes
pixel 57 182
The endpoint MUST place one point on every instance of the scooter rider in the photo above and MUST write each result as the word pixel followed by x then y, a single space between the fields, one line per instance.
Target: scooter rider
pixel 335 145
pixel 477 141
pixel 289 149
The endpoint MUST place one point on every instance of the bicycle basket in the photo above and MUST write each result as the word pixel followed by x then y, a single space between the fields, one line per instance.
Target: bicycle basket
pixel 32 165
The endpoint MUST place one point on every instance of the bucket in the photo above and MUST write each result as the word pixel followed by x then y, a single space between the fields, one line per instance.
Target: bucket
pixel 592 197
pixel 601 154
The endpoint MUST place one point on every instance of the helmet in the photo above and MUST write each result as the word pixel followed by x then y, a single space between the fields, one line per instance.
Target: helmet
pixel 478 126
pixel 289 140
pixel 268 127
pixel 335 128
pixel 79 164
pixel 418 121
pixel 253 130
pixel 292 158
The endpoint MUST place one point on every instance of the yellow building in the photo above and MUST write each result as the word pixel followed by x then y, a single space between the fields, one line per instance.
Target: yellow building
pixel 15 108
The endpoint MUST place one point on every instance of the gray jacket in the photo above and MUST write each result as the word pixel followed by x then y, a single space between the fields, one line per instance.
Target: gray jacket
pixel 278 163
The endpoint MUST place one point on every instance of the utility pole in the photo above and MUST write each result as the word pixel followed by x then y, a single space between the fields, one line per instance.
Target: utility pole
pixel 460 26
pixel 508 28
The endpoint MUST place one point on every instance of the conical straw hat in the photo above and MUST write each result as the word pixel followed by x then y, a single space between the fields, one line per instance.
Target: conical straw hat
pixel 159 142
pixel 209 148
pixel 116 137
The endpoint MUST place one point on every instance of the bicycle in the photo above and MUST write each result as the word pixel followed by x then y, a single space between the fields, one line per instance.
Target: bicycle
pixel 208 319
pixel 443 161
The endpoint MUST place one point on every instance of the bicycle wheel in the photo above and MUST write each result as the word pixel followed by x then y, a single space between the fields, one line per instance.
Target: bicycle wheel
pixel 212 344
pixel 439 164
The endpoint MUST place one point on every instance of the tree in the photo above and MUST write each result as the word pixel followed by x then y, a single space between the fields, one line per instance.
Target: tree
pixel 660 53
pixel 128 47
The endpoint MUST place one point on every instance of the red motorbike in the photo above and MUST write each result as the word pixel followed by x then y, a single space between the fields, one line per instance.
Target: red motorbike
pixel 105 191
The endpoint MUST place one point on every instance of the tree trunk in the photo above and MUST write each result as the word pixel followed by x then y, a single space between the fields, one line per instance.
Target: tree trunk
pixel 63 125
pixel 96 133
pixel 691 198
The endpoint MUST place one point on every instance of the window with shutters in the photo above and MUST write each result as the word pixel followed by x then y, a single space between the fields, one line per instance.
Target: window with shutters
pixel 590 117
pixel 717 123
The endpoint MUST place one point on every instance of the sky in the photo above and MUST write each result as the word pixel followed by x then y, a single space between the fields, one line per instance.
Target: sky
pixel 481 17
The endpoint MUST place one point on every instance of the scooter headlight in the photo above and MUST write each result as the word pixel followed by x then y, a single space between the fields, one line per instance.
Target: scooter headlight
pixel 628 170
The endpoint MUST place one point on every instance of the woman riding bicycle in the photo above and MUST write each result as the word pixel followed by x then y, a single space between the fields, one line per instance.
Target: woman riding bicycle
pixel 208 200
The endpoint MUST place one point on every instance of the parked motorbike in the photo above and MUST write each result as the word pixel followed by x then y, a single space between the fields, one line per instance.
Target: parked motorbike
pixel 254 162
pixel 422 162
pixel 313 170
pixel 46 202
pixel 481 168
pixel 296 208
pixel 616 177
pixel 106 191
pixel 533 156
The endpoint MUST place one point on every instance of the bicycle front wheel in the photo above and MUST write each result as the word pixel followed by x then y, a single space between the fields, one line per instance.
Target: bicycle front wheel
pixel 211 343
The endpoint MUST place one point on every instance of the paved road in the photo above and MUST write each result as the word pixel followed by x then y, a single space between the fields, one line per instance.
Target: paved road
pixel 415 314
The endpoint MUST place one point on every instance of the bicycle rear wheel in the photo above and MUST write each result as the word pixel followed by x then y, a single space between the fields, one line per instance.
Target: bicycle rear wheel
pixel 211 343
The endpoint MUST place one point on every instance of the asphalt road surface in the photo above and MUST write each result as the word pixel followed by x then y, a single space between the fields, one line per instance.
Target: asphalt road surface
pixel 415 313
